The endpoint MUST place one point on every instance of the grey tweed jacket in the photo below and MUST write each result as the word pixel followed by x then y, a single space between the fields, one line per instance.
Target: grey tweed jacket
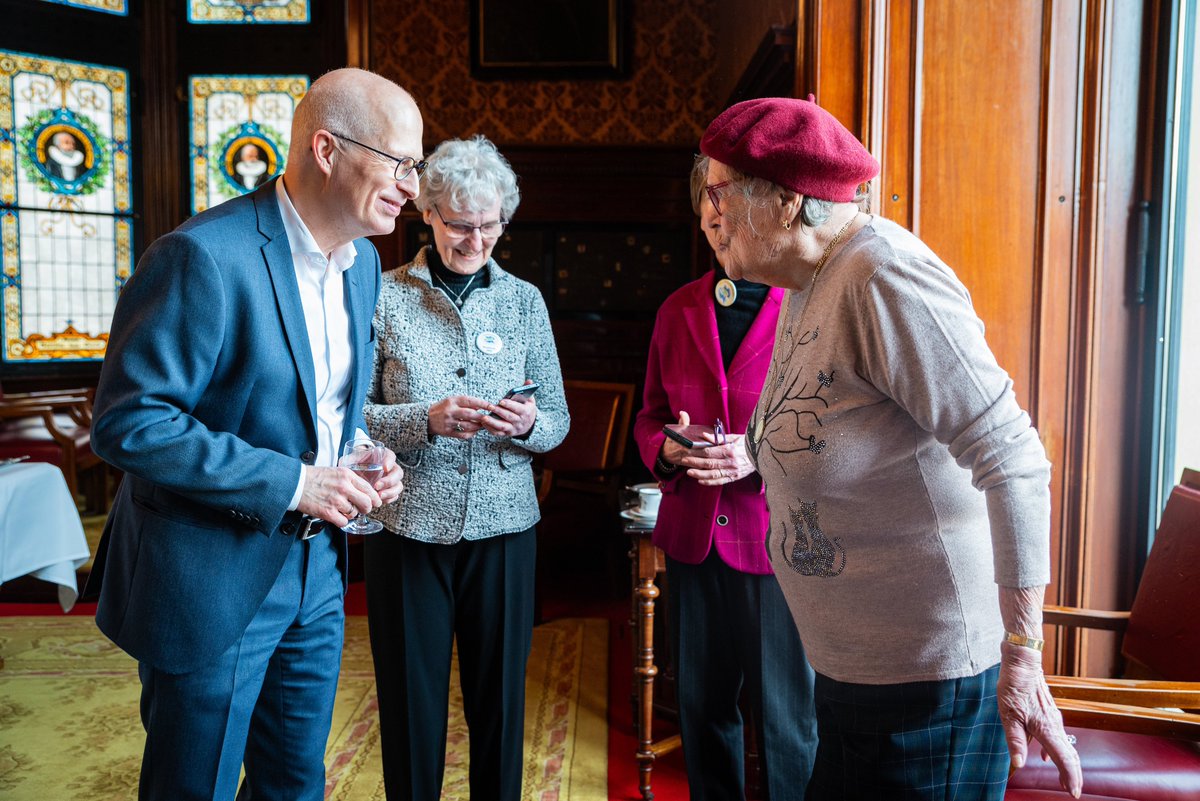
pixel 427 350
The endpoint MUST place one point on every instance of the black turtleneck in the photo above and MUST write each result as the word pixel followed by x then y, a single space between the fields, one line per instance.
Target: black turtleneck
pixel 451 282
pixel 735 320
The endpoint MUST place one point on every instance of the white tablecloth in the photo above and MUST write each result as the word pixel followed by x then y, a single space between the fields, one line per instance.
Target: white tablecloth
pixel 40 532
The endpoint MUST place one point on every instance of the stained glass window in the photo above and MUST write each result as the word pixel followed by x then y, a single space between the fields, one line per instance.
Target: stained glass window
pixel 65 206
pixel 240 129
pixel 111 6
pixel 247 11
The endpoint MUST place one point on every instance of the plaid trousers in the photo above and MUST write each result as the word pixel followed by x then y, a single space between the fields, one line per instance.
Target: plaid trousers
pixel 919 741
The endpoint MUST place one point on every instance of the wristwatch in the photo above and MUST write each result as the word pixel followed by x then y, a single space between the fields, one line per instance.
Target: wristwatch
pixel 1021 639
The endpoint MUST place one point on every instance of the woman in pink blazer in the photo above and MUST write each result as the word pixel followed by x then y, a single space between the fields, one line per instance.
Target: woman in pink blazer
pixel 729 622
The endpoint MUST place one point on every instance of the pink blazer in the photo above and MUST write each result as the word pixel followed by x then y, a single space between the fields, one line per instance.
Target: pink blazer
pixel 685 372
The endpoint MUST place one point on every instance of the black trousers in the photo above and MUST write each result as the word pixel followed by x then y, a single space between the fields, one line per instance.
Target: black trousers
pixel 420 598
pixel 732 629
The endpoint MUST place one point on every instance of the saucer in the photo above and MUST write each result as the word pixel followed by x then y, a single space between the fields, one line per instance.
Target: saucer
pixel 634 514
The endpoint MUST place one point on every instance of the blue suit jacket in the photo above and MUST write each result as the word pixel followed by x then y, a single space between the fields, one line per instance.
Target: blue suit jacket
pixel 207 402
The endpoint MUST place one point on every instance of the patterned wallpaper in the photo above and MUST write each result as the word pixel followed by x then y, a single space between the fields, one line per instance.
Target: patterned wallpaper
pixel 667 100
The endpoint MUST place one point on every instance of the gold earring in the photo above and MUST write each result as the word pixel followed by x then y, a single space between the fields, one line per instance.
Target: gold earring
pixel 787 225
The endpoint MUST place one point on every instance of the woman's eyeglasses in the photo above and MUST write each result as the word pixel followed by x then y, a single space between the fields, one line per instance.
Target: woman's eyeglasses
pixel 488 230
pixel 404 165
pixel 713 194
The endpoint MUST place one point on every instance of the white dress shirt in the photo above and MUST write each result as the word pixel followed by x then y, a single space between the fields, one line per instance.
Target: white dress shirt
pixel 319 277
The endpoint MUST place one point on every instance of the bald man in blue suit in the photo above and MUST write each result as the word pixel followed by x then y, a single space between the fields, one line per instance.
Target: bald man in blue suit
pixel 238 361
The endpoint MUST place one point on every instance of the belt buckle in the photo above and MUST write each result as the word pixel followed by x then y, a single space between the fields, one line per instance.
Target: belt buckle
pixel 309 522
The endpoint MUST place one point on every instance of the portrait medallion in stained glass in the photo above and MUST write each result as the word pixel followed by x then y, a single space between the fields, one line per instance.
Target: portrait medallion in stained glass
pixel 66 213
pixel 248 12
pixel 110 6
pixel 240 126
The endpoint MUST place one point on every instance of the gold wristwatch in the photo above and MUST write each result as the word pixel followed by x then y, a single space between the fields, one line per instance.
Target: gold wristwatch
pixel 1021 639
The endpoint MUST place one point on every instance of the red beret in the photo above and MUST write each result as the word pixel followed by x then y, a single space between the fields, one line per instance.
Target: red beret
pixel 793 143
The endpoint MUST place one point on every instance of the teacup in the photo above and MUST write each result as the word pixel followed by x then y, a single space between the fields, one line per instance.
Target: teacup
pixel 649 497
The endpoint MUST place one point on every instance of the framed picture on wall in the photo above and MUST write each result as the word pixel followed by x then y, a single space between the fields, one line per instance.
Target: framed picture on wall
pixel 548 39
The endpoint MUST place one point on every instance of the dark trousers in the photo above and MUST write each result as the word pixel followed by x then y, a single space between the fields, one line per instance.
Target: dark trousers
pixel 918 741
pixel 731 629
pixel 267 701
pixel 421 597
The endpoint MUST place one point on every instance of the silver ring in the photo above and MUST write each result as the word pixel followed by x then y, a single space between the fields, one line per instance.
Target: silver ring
pixel 458 427
pixel 1071 739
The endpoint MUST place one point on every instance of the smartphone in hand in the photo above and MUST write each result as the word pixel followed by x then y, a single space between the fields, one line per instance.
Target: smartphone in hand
pixel 690 436
pixel 521 393
pixel 516 393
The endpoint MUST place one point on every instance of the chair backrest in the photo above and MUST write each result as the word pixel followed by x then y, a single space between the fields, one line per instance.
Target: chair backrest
pixel 1190 478
pixel 1163 633
pixel 600 415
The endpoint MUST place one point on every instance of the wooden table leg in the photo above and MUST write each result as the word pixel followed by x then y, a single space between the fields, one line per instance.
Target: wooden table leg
pixel 644 669
pixel 635 628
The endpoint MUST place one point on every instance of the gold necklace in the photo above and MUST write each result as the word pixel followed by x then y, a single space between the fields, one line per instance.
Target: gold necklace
pixel 829 249
pixel 812 284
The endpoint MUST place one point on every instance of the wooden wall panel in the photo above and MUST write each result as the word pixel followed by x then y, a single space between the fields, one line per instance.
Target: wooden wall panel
pixel 1111 424
pixel 978 173
pixel 1054 361
pixel 834 61
pixel 740 28
pixel 894 106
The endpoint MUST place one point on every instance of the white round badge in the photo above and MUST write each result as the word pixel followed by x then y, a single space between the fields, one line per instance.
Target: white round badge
pixel 489 342
pixel 725 292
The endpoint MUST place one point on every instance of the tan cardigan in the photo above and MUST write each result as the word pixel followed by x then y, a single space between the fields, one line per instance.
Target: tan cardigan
pixel 904 481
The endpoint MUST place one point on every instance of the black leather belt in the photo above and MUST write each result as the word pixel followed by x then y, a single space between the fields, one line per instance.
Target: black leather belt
pixel 311 527
pixel 303 526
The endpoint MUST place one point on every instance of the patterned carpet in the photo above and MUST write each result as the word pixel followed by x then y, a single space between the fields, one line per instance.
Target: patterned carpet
pixel 69 725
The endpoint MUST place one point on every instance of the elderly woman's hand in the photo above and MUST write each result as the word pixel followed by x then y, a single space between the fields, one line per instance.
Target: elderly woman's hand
pixel 672 452
pixel 1027 711
pixel 456 416
pixel 719 464
pixel 510 417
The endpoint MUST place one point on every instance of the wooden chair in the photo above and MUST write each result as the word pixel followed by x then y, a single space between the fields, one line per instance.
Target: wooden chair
pixel 1133 737
pixel 578 546
pixel 591 456
pixel 55 427
pixel 74 404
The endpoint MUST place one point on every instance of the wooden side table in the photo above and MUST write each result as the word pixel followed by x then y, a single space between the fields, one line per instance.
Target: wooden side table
pixel 647 562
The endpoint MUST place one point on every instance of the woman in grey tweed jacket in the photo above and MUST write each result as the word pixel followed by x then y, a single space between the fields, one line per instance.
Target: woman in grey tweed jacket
pixel 455 332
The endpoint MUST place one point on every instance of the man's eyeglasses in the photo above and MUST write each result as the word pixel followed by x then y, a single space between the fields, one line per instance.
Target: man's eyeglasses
pixel 489 230
pixel 713 195
pixel 404 165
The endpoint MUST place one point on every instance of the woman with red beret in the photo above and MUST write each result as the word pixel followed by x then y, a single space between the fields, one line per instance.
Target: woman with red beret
pixel 908 491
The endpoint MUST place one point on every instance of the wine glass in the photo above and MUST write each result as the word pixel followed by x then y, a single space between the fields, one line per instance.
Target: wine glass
pixel 365 458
